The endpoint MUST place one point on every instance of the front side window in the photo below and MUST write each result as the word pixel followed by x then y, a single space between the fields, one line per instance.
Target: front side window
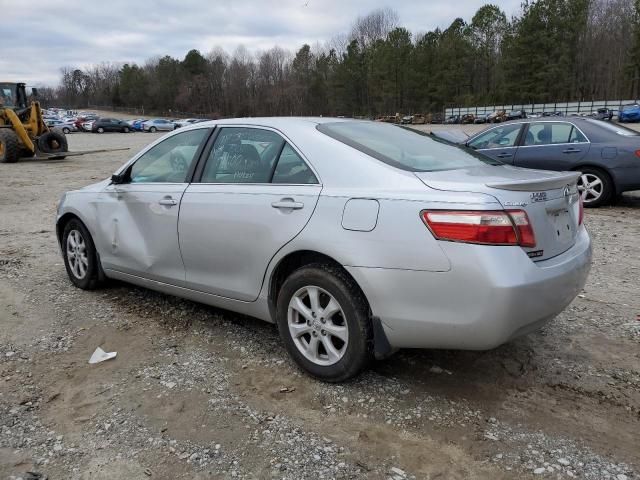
pixel 168 161
pixel 498 137
pixel 243 155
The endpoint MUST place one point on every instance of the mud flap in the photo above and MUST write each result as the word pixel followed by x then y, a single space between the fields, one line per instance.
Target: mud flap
pixel 381 347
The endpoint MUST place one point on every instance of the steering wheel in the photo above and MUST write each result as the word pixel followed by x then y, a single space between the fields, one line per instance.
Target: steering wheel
pixel 178 162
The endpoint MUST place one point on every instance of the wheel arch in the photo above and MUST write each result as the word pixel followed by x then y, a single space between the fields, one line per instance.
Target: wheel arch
pixel 299 258
pixel 60 226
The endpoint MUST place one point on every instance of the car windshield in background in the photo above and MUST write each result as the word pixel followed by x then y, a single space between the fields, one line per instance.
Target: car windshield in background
pixel 615 128
pixel 402 147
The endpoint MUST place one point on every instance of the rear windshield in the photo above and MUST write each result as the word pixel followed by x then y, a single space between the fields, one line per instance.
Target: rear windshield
pixel 614 128
pixel 403 147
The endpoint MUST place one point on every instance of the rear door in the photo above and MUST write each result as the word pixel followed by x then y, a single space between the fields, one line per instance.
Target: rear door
pixel 499 142
pixel 552 146
pixel 255 194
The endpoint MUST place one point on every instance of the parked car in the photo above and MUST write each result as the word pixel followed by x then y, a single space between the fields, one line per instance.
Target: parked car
pixel 452 119
pixel 606 154
pixel 468 118
pixel 516 115
pixel 82 119
pixel 267 217
pixel 482 118
pixel 407 120
pixel 497 116
pixel 67 127
pixel 185 122
pixel 629 113
pixel 553 114
pixel 419 119
pixel 437 118
pixel 158 125
pixel 603 114
pixel 110 125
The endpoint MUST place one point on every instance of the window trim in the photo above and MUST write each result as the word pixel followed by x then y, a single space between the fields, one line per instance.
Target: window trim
pixel 197 177
pixel 588 142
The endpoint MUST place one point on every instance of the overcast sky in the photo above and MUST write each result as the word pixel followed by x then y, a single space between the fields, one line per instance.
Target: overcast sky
pixel 41 36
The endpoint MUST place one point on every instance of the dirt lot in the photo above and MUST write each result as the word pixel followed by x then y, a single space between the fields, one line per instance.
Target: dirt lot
pixel 197 392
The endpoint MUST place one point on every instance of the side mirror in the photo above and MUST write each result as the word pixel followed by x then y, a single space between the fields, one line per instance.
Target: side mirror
pixel 117 179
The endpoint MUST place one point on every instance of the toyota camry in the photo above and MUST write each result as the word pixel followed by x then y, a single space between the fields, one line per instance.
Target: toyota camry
pixel 356 238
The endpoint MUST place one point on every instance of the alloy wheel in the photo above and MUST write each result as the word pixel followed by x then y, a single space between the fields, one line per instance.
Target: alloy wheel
pixel 77 254
pixel 590 187
pixel 317 325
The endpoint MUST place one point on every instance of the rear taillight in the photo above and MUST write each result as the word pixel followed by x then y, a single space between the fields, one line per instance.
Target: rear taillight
pixel 511 227
pixel 637 152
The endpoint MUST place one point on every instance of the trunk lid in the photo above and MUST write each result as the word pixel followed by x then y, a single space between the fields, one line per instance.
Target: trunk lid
pixel 550 199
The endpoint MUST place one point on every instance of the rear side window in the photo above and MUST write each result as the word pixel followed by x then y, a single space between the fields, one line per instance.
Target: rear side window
pixel 402 147
pixel 291 169
pixel 548 133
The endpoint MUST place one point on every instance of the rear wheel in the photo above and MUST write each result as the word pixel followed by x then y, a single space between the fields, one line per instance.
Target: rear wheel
pixel 153 129
pixel 596 187
pixel 9 146
pixel 125 130
pixel 66 130
pixel 80 257
pixel 324 322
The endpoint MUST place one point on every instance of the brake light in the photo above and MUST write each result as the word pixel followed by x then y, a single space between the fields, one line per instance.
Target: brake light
pixel 511 227
pixel 637 152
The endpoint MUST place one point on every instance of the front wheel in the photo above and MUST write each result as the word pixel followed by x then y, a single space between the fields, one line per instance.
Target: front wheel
pixel 80 257
pixel 324 322
pixel 596 187
pixel 66 130
pixel 153 130
pixel 100 130
pixel 125 130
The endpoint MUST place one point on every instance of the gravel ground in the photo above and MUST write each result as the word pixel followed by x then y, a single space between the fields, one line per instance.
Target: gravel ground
pixel 196 392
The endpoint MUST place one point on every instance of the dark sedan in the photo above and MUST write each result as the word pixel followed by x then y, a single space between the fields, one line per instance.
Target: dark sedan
pixel 607 154
pixel 110 125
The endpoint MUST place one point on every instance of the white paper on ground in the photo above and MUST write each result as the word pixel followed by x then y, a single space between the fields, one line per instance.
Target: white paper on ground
pixel 100 356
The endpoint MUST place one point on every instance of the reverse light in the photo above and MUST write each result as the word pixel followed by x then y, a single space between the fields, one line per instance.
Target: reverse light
pixel 580 210
pixel 499 227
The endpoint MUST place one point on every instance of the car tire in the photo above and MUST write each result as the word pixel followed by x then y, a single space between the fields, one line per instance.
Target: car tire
pixel 66 130
pixel 331 349
pixel 100 130
pixel 53 141
pixel 80 256
pixel 153 130
pixel 600 190
pixel 125 130
pixel 9 146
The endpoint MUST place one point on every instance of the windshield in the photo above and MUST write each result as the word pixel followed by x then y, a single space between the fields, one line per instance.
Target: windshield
pixel 614 128
pixel 7 92
pixel 404 147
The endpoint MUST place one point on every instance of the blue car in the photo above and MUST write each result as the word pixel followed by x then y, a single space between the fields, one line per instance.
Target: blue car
pixel 629 113
pixel 137 124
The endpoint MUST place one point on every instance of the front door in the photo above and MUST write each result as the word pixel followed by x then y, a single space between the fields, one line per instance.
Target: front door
pixel 139 218
pixel 256 193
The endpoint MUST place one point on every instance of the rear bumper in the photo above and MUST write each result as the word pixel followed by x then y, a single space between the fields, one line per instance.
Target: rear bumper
pixel 490 296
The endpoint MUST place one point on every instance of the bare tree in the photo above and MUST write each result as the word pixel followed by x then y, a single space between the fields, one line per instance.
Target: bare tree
pixel 374 26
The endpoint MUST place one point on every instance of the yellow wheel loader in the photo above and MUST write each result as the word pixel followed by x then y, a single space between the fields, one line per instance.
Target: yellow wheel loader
pixel 23 132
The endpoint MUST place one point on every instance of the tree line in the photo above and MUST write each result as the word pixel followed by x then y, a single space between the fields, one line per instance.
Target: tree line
pixel 551 51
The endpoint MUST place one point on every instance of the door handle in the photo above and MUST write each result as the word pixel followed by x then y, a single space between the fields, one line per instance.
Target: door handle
pixel 168 202
pixel 571 150
pixel 288 203
pixel 504 155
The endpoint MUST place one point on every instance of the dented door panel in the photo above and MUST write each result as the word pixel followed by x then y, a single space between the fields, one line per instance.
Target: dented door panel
pixel 138 230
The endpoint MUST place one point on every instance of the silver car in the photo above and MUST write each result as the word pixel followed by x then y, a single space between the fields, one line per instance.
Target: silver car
pixel 158 125
pixel 357 238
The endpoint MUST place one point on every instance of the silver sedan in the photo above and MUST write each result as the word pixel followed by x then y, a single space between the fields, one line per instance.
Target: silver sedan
pixel 356 238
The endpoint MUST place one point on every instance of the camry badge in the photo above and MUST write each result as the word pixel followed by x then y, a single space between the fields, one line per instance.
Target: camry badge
pixel 567 191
